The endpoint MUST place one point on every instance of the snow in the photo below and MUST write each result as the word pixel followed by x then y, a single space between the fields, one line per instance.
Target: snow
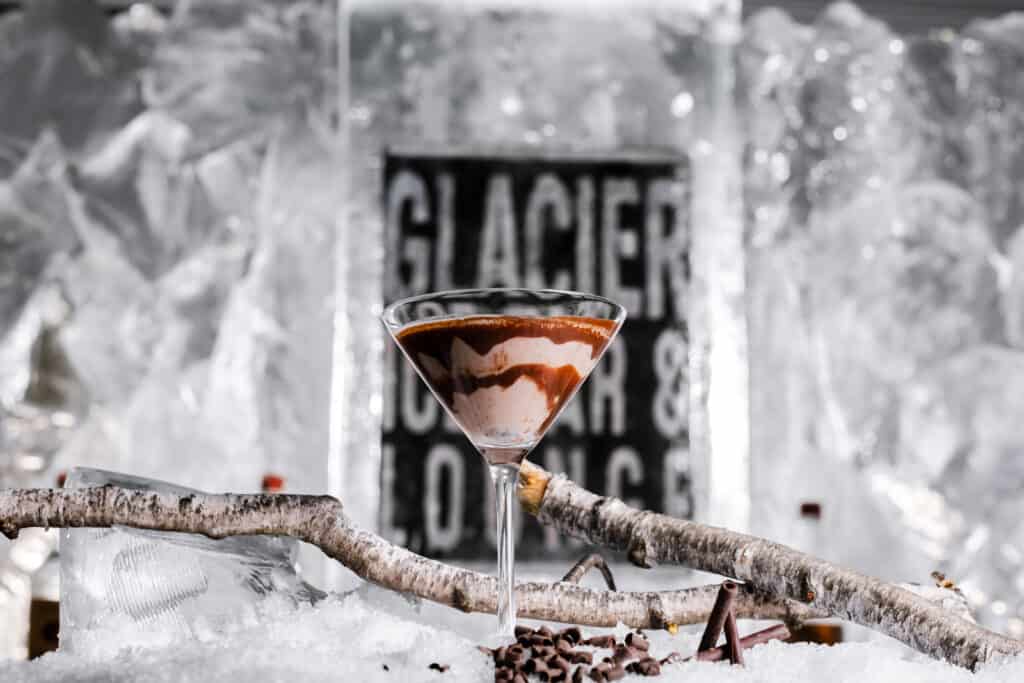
pixel 352 637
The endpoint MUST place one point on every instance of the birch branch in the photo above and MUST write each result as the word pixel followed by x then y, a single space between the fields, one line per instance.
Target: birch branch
pixel 321 521
pixel 771 568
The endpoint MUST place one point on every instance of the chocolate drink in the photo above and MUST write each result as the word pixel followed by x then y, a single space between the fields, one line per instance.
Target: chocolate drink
pixel 504 379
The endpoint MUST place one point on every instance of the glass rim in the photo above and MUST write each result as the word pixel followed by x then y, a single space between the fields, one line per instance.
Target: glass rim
pixel 619 318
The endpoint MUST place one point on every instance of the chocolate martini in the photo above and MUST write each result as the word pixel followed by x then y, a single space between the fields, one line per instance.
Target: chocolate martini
pixel 504 363
pixel 504 379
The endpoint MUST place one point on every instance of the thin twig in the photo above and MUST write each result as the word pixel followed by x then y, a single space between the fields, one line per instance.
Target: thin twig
pixel 592 561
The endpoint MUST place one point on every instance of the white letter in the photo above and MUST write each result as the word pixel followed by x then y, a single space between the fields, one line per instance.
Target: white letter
pixel 417 418
pixel 671 402
pixel 547 192
pixel 677 488
pixel 666 253
pixel 499 260
pixel 441 534
pixel 445 232
pixel 585 235
pixel 617 241
pixel 417 255
pixel 406 186
pixel 623 461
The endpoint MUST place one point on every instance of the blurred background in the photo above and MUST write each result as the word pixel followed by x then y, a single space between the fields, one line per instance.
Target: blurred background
pixel 811 210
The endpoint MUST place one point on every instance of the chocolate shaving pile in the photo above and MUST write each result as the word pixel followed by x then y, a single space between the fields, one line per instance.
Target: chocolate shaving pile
pixel 557 657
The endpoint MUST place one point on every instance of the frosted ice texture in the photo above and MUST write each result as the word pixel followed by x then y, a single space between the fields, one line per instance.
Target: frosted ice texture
pixel 354 637
pixel 142 588
pixel 20 562
pixel 883 222
pixel 167 220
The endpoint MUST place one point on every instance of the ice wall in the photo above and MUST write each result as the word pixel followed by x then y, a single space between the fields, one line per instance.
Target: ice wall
pixel 168 216
pixel 883 213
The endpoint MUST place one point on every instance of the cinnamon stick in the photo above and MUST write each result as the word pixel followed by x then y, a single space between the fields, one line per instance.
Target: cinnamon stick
pixel 718 616
pixel 732 639
pixel 715 654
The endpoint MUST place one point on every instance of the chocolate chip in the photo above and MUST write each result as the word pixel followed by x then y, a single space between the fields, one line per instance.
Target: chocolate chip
pixel 637 641
pixel 520 678
pixel 597 675
pixel 600 641
pixel 624 653
pixel 579 673
pixel 542 651
pixel 615 674
pixel 649 667
pixel 573 635
pixel 645 667
pixel 503 675
pixel 579 657
pixel 559 662
pixel 552 675
pixel 434 666
pixel 545 631
pixel 523 631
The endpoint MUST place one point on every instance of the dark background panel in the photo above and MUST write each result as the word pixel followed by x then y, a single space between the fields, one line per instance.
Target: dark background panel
pixel 583 442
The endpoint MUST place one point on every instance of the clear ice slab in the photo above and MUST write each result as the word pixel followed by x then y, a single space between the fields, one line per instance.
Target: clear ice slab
pixel 153 588
pixel 885 284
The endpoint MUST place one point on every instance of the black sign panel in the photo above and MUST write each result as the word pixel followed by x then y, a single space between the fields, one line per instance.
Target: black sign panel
pixel 618 227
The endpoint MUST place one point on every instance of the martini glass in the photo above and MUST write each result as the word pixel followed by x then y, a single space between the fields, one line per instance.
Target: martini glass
pixel 504 363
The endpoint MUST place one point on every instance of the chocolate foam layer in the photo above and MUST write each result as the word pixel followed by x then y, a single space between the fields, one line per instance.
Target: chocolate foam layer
pixel 484 332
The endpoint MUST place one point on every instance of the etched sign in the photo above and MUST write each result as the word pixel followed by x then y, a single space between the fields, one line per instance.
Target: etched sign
pixel 618 227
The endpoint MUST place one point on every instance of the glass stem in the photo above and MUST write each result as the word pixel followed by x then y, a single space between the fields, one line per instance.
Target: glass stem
pixel 505 477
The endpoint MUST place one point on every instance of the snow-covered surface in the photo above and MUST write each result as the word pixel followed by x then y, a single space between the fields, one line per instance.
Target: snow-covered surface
pixel 352 637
